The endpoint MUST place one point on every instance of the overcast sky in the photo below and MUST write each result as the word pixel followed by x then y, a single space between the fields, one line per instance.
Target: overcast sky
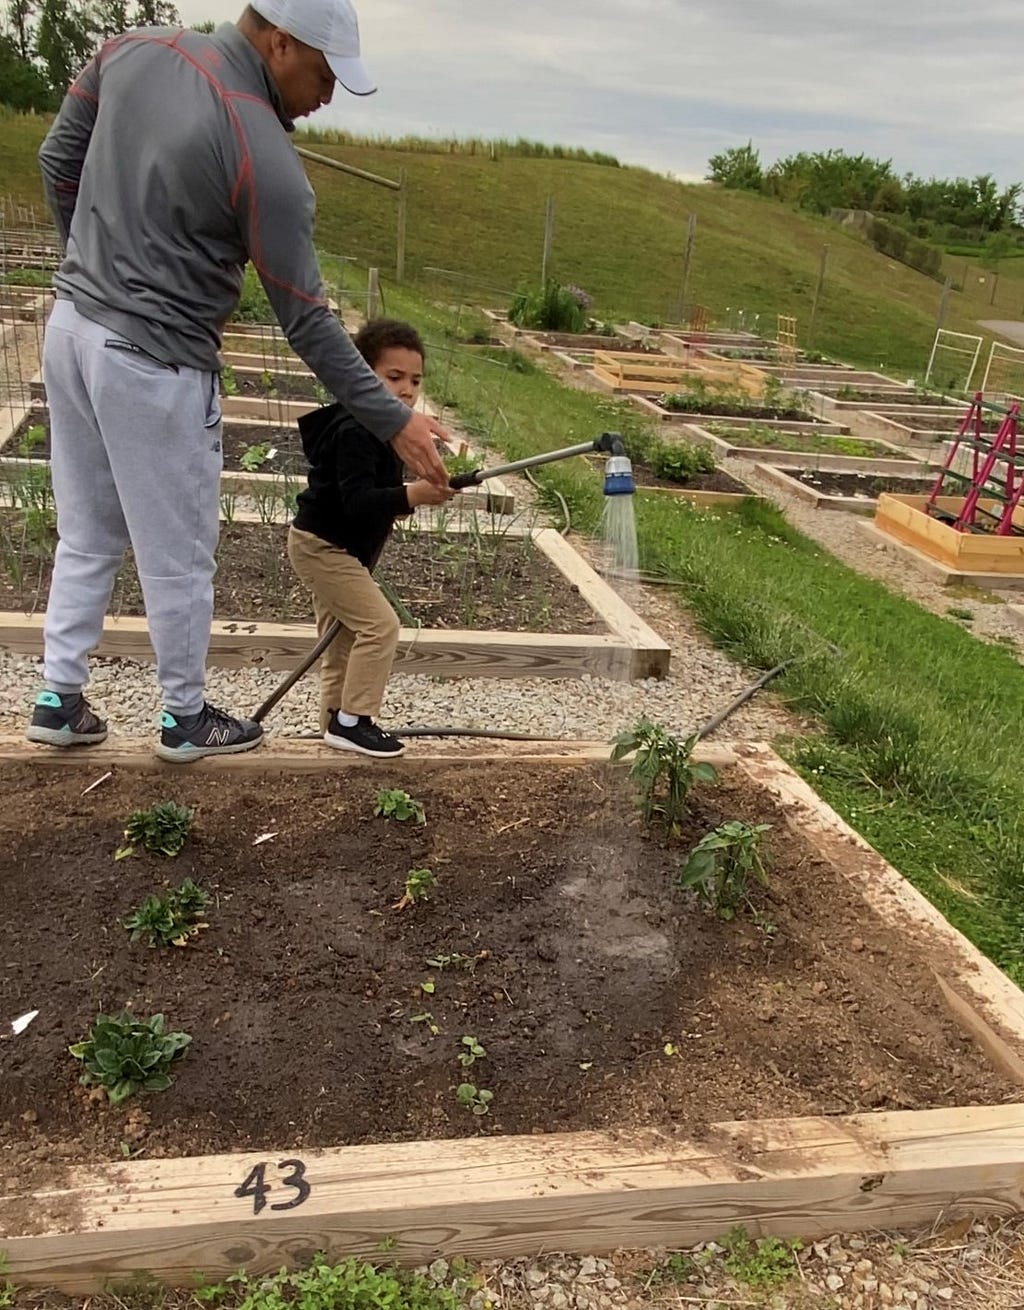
pixel 667 83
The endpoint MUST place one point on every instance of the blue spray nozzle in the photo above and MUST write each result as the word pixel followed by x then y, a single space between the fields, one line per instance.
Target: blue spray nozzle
pixel 618 477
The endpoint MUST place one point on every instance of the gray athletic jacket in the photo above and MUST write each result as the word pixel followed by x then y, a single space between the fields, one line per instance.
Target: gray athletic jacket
pixel 168 166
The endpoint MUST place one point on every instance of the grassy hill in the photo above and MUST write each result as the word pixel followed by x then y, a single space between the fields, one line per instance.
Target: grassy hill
pixel 620 234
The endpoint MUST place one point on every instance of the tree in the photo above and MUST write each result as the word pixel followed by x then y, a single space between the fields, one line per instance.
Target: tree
pixel 19 14
pixel 22 85
pixel 738 168
pixel 65 41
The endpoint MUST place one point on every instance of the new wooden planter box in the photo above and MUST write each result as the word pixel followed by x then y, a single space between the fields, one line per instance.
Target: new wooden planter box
pixel 869 1063
pixel 629 372
pixel 904 519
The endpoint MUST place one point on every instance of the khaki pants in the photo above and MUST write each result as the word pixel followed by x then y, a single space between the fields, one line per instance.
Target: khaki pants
pixel 355 668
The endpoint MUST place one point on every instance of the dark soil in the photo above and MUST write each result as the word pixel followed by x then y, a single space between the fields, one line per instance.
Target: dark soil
pixel 442 582
pixel 644 476
pixel 868 485
pixel 916 398
pixel 283 386
pixel 305 997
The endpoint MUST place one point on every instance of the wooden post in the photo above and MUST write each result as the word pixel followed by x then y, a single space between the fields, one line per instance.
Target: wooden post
pixel 373 294
pixel 943 304
pixel 549 232
pixel 691 236
pixel 817 296
pixel 403 196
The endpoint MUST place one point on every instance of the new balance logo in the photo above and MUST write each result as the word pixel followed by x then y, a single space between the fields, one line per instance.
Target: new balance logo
pixel 218 737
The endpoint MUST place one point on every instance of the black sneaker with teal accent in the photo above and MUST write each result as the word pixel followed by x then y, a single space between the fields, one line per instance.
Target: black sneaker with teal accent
pixel 210 732
pixel 65 720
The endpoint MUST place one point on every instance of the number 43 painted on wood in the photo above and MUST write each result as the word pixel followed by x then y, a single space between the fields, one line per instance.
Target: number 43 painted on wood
pixel 256 1185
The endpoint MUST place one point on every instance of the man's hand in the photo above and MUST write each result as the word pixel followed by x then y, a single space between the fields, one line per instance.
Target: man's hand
pixel 414 445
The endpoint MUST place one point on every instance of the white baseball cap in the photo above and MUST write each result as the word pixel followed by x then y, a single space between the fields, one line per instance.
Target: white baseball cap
pixel 330 26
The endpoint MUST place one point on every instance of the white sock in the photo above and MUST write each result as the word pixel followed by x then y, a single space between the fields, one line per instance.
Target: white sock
pixel 347 720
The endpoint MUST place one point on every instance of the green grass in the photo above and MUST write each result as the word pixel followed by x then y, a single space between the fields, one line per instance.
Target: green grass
pixel 619 233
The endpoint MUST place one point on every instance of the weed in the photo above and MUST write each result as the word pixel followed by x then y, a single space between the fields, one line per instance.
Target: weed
pixel 762 1263
pixel 677 1267
pixel 30 439
pixel 720 867
pixel 255 456
pixel 552 307
pixel 477 1099
pixel 398 804
pixel 172 919
pixel 353 1284
pixel 125 1055
pixel 418 886
pixel 161 829
pixel 663 769
pixel 958 612
pixel 473 1052
pixel 7 1289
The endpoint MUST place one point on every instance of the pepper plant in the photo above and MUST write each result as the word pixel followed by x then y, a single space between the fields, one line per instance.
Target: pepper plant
pixel 663 770
pixel 720 868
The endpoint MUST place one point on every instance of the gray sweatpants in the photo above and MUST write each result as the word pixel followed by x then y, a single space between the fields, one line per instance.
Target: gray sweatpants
pixel 136 454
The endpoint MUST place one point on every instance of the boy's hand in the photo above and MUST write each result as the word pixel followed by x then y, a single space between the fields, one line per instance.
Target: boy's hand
pixel 425 493
pixel 415 447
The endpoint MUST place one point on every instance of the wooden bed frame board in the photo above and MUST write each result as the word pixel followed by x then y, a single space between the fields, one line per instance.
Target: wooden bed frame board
pixel 577 1192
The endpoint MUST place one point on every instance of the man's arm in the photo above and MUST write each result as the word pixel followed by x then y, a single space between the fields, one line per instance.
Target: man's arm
pixel 62 154
pixel 275 206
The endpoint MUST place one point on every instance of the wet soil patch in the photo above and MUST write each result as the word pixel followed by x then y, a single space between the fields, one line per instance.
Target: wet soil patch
pixel 869 486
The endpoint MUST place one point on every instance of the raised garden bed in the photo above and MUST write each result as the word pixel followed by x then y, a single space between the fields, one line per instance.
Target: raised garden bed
pixel 752 415
pixel 642 1055
pixel 849 489
pixel 631 373
pixel 714 487
pixel 750 442
pixel 516 603
pixel 904 519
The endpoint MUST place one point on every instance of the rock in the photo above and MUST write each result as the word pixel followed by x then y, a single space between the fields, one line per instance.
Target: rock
pixel 438 1271
pixel 944 1293
pixel 588 1266
pixel 833 1282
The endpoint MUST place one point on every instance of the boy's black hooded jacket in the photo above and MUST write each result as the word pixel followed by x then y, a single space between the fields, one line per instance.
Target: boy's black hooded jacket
pixel 355 490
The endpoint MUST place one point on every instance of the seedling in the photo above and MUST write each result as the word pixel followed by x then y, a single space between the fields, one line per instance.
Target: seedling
pixel 662 769
pixel 125 1055
pixel 35 436
pixel 172 919
pixel 477 1099
pixel 427 1018
pixel 255 456
pixel 398 804
pixel 161 830
pixel 473 1052
pixel 720 867
pixel 429 987
pixel 418 885
pixel 457 961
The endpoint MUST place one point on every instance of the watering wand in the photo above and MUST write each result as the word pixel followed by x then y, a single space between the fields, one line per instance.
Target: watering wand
pixel 618 471
pixel 618 481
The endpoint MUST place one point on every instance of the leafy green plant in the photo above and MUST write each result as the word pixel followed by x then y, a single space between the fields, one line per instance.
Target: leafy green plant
pixel 353 1284
pixel 30 439
pixel 720 867
pixel 477 1099
pixel 427 1018
pixel 552 308
pixel 663 769
pixel 161 829
pixel 473 1052
pixel 418 886
pixel 255 456
pixel 172 919
pixel 398 804
pixel 679 463
pixel 458 463
pixel 267 383
pixel 125 1055
pixel 763 1262
pixel 228 381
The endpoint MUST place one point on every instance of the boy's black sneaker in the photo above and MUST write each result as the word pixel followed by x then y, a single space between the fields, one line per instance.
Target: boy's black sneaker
pixel 210 732
pixel 65 720
pixel 363 737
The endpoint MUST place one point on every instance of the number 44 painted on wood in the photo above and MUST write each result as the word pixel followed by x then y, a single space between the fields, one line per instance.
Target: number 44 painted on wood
pixel 256 1185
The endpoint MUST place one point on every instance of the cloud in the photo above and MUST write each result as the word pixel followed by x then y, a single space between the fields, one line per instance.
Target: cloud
pixel 671 82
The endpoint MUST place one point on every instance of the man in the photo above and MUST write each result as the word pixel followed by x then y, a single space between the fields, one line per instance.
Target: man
pixel 168 166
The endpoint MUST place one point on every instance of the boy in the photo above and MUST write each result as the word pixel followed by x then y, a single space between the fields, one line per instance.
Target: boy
pixel 343 520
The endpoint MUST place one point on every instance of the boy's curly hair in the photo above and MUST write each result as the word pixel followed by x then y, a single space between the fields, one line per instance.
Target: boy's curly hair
pixel 380 334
